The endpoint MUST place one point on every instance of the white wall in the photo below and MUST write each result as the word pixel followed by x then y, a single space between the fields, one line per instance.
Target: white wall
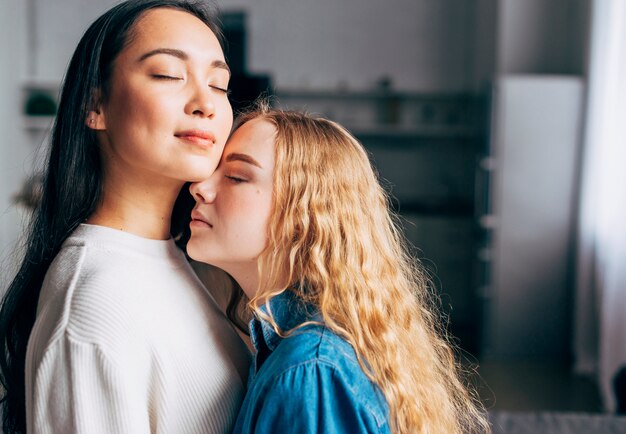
pixel 542 36
pixel 14 145
pixel 59 24
pixel 485 27
pixel 421 44
pixel 529 37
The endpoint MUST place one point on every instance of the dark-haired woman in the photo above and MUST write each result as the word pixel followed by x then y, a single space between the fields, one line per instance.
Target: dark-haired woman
pixel 106 328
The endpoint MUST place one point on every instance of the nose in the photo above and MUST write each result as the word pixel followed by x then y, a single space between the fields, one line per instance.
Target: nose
pixel 201 101
pixel 203 191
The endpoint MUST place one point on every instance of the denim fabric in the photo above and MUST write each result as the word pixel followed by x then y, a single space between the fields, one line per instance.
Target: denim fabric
pixel 308 382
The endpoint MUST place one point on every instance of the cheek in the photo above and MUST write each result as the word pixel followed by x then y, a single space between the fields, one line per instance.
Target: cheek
pixel 149 114
pixel 225 122
pixel 262 214
pixel 137 123
pixel 140 109
pixel 248 221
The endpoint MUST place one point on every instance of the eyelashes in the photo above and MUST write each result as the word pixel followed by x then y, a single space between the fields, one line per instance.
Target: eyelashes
pixel 221 89
pixel 164 77
pixel 235 179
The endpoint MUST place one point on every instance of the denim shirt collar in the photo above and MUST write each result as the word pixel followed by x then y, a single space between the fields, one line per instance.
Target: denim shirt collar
pixel 289 311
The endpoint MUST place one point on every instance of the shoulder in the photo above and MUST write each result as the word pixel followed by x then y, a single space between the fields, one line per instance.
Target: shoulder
pixel 317 369
pixel 91 295
pixel 93 275
pixel 83 277
pixel 315 345
pixel 83 312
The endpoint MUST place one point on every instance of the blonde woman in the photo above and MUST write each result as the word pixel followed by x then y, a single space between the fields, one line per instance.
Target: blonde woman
pixel 344 338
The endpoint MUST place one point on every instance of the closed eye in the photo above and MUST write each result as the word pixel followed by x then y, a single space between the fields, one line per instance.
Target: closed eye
pixel 221 89
pixel 165 77
pixel 235 179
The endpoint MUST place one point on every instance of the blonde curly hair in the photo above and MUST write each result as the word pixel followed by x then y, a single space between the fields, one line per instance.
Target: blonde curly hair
pixel 331 231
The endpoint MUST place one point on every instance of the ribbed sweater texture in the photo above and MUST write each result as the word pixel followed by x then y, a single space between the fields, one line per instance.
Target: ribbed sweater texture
pixel 127 340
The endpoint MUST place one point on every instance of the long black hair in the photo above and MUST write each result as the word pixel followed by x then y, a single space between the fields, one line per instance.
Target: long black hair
pixel 73 184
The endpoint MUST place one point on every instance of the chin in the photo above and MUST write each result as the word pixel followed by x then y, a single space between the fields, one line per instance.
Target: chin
pixel 199 171
pixel 192 250
pixel 197 250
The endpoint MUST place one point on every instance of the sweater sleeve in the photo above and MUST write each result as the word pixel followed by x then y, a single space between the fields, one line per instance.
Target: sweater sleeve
pixel 79 389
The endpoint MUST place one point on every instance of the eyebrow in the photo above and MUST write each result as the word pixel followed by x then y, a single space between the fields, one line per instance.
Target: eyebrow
pixel 242 157
pixel 180 54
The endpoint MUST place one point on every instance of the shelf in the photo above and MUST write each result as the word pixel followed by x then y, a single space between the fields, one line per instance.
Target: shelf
pixel 44 84
pixel 392 115
pixel 488 221
pixel 445 208
pixel 370 94
pixel 419 132
pixel 488 164
pixel 43 94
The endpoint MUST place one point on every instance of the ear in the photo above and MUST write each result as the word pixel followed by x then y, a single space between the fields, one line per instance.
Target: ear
pixel 95 117
pixel 95 120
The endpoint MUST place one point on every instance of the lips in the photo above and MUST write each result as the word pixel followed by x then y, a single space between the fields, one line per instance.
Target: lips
pixel 197 137
pixel 199 219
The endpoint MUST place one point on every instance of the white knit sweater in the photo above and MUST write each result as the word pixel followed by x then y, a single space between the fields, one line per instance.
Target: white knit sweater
pixel 127 340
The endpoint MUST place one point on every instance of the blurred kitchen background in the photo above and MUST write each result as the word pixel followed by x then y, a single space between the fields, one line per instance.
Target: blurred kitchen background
pixel 481 117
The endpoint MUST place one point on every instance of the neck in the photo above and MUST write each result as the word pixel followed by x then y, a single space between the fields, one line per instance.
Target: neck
pixel 247 277
pixel 137 204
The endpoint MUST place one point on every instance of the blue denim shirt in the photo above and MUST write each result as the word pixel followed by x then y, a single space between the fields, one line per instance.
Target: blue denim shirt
pixel 308 382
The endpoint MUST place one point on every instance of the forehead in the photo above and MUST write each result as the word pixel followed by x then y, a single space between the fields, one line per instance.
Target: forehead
pixel 255 138
pixel 172 28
